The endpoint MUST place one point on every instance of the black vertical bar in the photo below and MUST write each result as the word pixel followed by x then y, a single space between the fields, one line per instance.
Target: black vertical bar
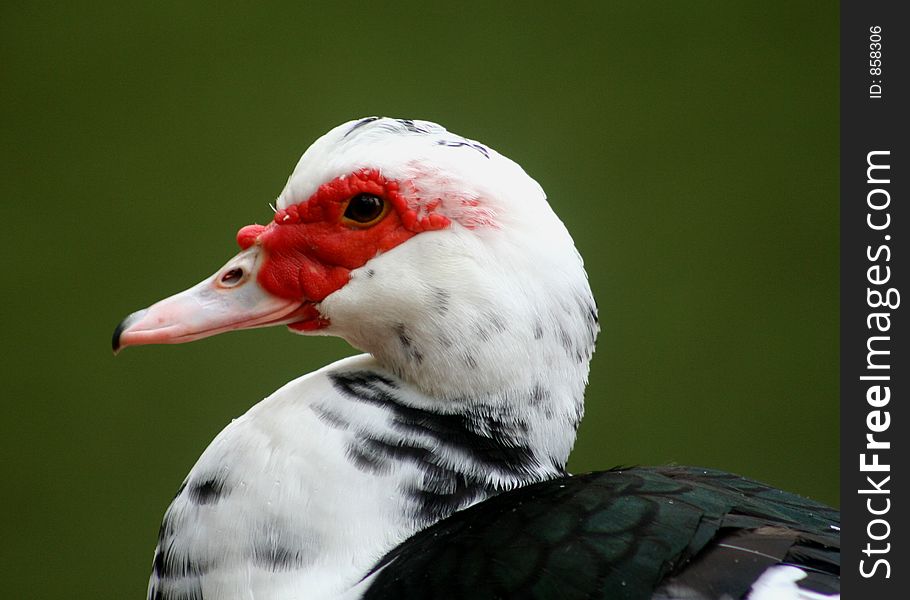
pixel 875 372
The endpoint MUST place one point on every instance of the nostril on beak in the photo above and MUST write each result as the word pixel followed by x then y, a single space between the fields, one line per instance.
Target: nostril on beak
pixel 232 277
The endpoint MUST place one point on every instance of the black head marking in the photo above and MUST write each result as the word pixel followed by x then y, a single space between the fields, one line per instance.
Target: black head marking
pixel 464 143
pixel 412 127
pixel 360 124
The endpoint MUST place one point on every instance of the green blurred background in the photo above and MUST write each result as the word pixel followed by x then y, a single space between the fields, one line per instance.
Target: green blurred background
pixel 691 148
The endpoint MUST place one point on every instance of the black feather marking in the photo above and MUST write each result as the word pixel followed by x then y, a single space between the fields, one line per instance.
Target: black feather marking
pixel 558 468
pixel 820 582
pixel 482 332
pixel 180 489
pixel 277 558
pixel 395 449
pixel 208 491
pixel 489 325
pixel 441 300
pixel 497 443
pixel 412 127
pixel 171 564
pixel 401 331
pixel 732 562
pixel 166 529
pixel 485 437
pixel 539 395
pixel 176 572
pixel 442 490
pixel 496 322
pixel 276 546
pixel 822 556
pixel 367 458
pixel 575 420
pixel 407 343
pixel 159 592
pixel 329 417
pixel 565 340
pixel 444 340
pixel 360 124
pixel 588 307
pixel 463 143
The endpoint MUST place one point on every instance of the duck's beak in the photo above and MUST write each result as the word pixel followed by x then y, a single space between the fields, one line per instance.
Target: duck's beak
pixel 230 299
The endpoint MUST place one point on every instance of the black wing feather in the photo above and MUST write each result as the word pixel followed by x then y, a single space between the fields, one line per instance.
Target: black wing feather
pixel 621 534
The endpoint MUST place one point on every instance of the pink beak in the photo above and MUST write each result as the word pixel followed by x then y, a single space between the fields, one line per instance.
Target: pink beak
pixel 230 299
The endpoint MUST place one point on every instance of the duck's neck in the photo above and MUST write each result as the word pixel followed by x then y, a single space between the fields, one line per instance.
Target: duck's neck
pixel 305 492
pixel 494 343
pixel 445 455
pixel 384 460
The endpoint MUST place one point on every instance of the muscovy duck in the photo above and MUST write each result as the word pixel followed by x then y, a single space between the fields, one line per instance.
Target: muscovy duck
pixel 433 466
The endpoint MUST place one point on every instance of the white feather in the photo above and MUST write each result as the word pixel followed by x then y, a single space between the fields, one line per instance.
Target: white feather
pixel 780 583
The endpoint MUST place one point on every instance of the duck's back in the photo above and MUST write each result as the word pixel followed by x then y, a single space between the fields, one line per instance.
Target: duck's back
pixel 663 532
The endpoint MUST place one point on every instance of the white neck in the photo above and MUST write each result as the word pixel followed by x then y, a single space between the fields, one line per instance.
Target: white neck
pixel 493 336
pixel 305 492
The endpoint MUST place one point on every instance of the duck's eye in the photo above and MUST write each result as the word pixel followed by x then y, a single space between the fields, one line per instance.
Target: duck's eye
pixel 364 209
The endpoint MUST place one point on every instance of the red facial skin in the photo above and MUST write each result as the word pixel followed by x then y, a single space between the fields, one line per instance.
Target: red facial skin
pixel 304 255
pixel 311 249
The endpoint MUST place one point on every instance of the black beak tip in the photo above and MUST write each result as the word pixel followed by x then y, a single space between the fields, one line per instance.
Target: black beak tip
pixel 115 340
